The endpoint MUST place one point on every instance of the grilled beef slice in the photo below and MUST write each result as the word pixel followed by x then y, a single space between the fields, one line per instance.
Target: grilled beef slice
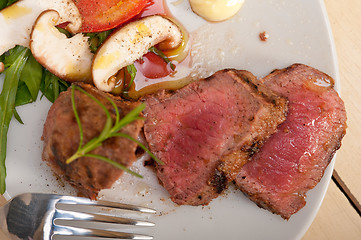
pixel 61 140
pixel 293 160
pixel 207 130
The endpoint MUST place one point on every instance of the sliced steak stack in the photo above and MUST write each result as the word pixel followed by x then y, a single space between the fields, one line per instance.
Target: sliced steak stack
pixel 61 140
pixel 207 130
pixel 293 160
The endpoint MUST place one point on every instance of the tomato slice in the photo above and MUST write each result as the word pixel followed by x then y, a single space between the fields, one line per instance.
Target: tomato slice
pixel 102 15
pixel 155 7
pixel 152 66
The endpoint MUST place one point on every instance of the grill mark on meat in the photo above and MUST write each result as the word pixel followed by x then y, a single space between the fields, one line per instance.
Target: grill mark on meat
pixel 253 149
pixel 61 140
pixel 219 181
pixel 202 130
pixel 89 173
pixel 294 159
pixel 264 123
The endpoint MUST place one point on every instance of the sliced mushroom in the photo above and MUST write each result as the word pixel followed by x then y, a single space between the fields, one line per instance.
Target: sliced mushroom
pixel 17 20
pixel 129 44
pixel 67 58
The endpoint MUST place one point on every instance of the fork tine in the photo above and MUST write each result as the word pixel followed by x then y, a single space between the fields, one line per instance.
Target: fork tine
pixel 125 206
pixel 102 203
pixel 96 233
pixel 85 216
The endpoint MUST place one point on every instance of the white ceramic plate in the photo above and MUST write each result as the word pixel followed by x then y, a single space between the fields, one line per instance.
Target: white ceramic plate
pixel 298 32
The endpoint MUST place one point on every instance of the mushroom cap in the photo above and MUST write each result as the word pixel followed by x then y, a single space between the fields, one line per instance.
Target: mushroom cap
pixel 17 20
pixel 67 58
pixel 130 43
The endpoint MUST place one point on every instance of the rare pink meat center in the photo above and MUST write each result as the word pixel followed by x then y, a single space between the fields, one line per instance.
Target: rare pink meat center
pixel 207 128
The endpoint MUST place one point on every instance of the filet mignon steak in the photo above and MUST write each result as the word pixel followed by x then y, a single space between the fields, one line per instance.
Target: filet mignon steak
pixel 293 160
pixel 206 131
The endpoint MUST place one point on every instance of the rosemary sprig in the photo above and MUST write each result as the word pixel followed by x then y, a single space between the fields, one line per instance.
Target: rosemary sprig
pixel 141 146
pixel 111 129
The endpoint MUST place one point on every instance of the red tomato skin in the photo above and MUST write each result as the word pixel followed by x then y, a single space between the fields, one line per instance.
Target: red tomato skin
pixel 152 66
pixel 103 15
pixel 155 7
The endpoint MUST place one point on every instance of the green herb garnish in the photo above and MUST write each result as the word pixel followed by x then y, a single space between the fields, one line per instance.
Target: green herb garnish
pixel 111 129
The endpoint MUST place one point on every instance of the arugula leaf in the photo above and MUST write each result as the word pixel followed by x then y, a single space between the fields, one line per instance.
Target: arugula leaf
pixel 96 39
pixel 24 77
pixel 51 86
pixel 7 102
pixel 65 32
pixel 17 117
pixel 23 95
pixel 132 70
pixel 4 3
pixel 11 55
pixel 31 76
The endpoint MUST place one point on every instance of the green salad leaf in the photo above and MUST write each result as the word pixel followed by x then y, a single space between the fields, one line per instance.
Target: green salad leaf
pixel 17 117
pixel 5 3
pixel 51 86
pixel 23 95
pixel 24 77
pixel 96 39
pixel 131 69
pixel 29 84
pixel 65 32
pixel 12 73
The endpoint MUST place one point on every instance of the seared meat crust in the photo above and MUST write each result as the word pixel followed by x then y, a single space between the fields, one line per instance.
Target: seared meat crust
pixel 61 140
pixel 206 131
pixel 293 160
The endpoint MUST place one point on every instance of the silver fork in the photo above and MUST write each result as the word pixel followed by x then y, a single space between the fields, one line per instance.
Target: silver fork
pixel 49 216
